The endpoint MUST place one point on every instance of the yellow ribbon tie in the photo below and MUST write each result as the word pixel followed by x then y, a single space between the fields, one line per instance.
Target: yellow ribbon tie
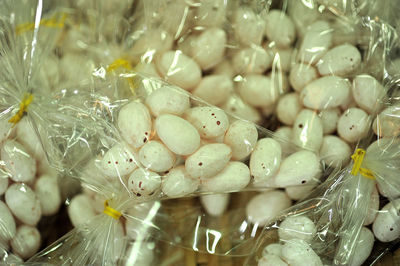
pixel 51 22
pixel 358 158
pixel 23 107
pixel 111 212
pixel 120 62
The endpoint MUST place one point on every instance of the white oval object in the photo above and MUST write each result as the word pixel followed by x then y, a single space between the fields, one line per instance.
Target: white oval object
pixel 234 177
pixel 297 252
pixel 274 249
pixel 156 157
pixel 177 134
pixel 264 207
pixel 23 203
pixel 367 92
pixel 252 60
pixel 334 151
pixel 300 168
pixel 316 42
pixel 134 122
pixel 279 28
pixel 26 242
pixel 271 260
pixel 288 108
pixel 211 122
pixel 373 207
pixel 118 161
pixel 177 183
pixel 248 26
pixel 326 92
pixel 28 138
pixel 301 75
pixel 207 161
pixel 241 136
pixel 3 184
pixel 341 60
pixel 210 13
pixel 151 42
pixel 224 68
pixel 214 89
pixel 265 159
pixel 284 135
pixel 8 227
pixel 17 162
pixel 363 248
pixel 386 226
pixel 238 107
pixel 282 58
pixel 353 125
pixel 307 130
pixel 168 100
pixel 48 192
pixel 179 69
pixel 329 118
pixel 258 90
pixel 215 204
pixel 303 14
pixel 300 192
pixel 209 47
pixel 143 182
pixel 80 210
pixel 297 227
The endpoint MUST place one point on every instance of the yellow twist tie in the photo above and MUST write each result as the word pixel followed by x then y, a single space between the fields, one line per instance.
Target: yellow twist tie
pixel 358 158
pixel 120 62
pixel 111 212
pixel 51 23
pixel 23 107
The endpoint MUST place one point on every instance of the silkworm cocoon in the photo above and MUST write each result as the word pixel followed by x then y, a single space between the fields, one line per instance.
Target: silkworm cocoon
pixel 238 107
pixel 241 136
pixel 135 131
pixel 179 69
pixel 265 159
pixel 258 90
pixel 288 108
pixel 329 118
pixel 248 26
pixel 298 252
pixel 234 177
pixel 224 68
pixel 373 207
pixel 48 192
pixel 143 182
pixel 301 75
pixel 118 161
pixel 177 183
pixel 307 130
pixel 261 209
pixel 23 203
pixel 326 92
pixel 207 161
pixel 271 260
pixel 297 227
pixel 209 48
pixel 284 135
pixel 341 60
pixel 279 28
pixel 215 204
pixel 252 60
pixel 334 151
pixel 26 241
pixel 18 162
pixel 367 92
pixel 156 157
pixel 273 249
pixel 300 192
pixel 302 15
pixel 316 42
pixel 387 123
pixel 211 122
pixel 177 134
pixel 363 248
pixel 386 226
pixel 8 227
pixel 300 168
pixel 282 58
pixel 353 125
pixel 29 139
pixel 214 89
pixel 168 100
pixel 151 42
pixel 80 210
pixel 210 13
